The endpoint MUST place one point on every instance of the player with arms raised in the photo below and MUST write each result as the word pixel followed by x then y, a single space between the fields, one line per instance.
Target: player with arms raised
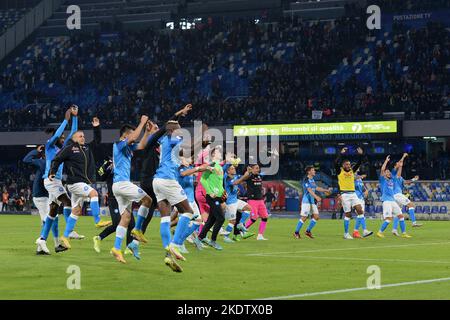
pixel 346 180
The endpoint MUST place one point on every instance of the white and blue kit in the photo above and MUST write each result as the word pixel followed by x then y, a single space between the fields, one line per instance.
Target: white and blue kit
pixel 165 181
pixel 401 199
pixel 233 204
pixel 55 188
pixel 309 205
pixel 124 191
pixel 390 206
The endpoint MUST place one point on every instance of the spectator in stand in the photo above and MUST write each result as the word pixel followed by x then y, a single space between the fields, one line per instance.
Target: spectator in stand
pixel 5 200
pixel 269 197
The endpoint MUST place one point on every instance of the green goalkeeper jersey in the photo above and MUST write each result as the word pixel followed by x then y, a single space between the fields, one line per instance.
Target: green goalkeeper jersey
pixel 213 181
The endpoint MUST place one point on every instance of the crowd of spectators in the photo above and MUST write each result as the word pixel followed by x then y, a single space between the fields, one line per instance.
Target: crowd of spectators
pixel 424 53
pixel 155 72
pixel 15 186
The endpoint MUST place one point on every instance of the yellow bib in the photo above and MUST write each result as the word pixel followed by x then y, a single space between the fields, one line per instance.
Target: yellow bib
pixel 346 180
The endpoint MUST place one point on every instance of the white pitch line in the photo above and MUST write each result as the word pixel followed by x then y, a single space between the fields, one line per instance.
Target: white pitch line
pixel 354 289
pixel 352 248
pixel 358 259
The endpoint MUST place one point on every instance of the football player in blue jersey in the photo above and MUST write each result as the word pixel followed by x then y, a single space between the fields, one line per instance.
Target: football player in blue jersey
pixel 310 202
pixel 390 206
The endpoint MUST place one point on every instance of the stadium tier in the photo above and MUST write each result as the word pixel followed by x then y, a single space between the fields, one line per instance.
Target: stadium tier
pixel 275 72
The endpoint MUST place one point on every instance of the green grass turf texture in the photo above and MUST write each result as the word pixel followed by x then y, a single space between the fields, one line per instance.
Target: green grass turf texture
pixel 289 266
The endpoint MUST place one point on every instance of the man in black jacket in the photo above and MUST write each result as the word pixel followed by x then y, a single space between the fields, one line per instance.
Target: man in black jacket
pixel 80 167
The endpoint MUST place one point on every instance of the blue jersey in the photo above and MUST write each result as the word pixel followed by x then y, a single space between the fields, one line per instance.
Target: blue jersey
pixel 359 188
pixel 398 185
pixel 398 182
pixel 308 183
pixel 122 154
pixel 387 189
pixel 187 183
pixel 231 189
pixel 51 149
pixel 38 183
pixel 169 161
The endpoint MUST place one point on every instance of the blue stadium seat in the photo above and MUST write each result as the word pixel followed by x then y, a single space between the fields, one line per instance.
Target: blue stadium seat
pixel 378 209
pixel 435 209
pixel 443 209
pixel 426 209
pixel 419 209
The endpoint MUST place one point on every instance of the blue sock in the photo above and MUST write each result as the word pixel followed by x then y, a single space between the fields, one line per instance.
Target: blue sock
pixel 95 208
pixel 180 230
pixel 357 223
pixel 245 216
pixel 412 214
pixel 384 225
pixel 346 224
pixel 299 226
pixel 120 234
pixel 142 215
pixel 402 225
pixel 395 224
pixel 312 223
pixel 192 228
pixel 165 231
pixel 363 223
pixel 55 228
pixel 229 227
pixel 71 222
pixel 46 227
pixel 67 211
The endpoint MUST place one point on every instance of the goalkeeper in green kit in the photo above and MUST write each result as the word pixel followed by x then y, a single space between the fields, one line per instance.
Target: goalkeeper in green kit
pixel 212 181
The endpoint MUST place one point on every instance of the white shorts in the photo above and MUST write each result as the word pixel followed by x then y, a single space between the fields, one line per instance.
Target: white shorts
pixel 169 190
pixel 232 209
pixel 43 206
pixel 401 199
pixel 126 193
pixel 349 201
pixel 195 209
pixel 309 208
pixel 79 193
pixel 55 189
pixel 391 208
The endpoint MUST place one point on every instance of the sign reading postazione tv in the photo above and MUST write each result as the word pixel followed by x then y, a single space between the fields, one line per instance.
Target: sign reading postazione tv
pixel 372 127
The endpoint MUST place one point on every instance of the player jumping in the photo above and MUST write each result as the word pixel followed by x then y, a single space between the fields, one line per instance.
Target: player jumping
pixel 56 192
pixel 390 206
pixel 126 192
pixel 401 199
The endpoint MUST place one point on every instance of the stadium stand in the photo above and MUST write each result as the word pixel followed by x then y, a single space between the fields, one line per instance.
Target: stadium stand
pixel 9 17
pixel 264 70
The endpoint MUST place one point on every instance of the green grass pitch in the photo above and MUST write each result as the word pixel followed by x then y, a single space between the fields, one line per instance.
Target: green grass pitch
pixel 248 269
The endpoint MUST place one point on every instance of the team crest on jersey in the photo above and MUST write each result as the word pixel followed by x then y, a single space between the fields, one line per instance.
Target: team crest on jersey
pixel 75 149
pixel 61 189
pixel 140 190
pixel 86 188
pixel 182 192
